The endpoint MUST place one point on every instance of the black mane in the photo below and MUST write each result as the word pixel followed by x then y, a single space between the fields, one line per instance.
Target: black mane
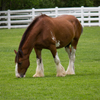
pixel 28 29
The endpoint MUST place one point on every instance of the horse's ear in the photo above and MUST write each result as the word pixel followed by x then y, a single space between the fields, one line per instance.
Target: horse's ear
pixel 15 51
pixel 21 53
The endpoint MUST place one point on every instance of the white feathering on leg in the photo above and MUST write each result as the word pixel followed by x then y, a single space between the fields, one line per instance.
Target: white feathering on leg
pixel 39 69
pixel 70 69
pixel 60 69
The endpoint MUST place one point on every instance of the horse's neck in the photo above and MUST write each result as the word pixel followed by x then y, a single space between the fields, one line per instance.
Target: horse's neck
pixel 30 40
pixel 28 45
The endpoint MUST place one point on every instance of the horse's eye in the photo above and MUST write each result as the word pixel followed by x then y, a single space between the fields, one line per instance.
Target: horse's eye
pixel 19 63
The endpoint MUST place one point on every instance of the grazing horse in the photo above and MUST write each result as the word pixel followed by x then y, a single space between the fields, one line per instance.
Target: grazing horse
pixel 48 33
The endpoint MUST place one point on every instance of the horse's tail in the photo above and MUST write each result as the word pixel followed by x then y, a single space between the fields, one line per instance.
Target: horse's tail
pixel 81 29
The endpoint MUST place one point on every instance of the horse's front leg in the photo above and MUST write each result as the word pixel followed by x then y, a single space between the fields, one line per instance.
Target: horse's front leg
pixel 60 69
pixel 39 69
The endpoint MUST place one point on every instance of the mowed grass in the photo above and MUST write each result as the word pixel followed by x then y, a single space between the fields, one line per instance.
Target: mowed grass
pixel 84 85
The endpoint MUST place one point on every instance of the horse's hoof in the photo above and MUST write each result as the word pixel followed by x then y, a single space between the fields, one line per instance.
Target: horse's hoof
pixel 60 75
pixel 36 75
pixel 70 73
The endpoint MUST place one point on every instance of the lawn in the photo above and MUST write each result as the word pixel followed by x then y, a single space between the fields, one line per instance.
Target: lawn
pixel 84 85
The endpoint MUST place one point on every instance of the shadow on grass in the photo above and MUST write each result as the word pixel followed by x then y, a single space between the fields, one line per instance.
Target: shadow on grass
pixel 96 59
pixel 88 74
pixel 54 76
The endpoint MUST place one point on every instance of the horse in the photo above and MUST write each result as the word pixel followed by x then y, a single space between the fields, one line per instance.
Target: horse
pixel 46 32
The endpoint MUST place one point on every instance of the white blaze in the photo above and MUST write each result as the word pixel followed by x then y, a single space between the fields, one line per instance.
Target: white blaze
pixel 16 70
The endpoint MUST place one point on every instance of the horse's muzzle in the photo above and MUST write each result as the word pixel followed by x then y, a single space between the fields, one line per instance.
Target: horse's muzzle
pixel 20 76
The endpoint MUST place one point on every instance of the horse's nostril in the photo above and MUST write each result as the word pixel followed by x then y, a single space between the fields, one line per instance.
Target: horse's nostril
pixel 21 75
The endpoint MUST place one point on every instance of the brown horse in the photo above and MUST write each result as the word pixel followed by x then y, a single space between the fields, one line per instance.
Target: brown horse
pixel 48 33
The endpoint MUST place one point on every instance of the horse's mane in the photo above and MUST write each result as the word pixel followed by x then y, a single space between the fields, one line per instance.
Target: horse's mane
pixel 29 28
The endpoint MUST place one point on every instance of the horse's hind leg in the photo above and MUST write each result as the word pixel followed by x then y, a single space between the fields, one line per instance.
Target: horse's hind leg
pixel 60 69
pixel 39 69
pixel 71 53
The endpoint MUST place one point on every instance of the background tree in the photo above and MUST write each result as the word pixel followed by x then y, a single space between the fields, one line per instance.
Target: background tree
pixel 3 4
pixel 28 4
pixel 96 2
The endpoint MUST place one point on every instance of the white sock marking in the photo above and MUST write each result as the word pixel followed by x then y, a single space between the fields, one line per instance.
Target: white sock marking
pixel 39 69
pixel 60 68
pixel 70 69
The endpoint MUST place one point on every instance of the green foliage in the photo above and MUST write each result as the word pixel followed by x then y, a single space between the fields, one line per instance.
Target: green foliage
pixel 78 3
pixel 96 2
pixel 28 4
pixel 82 86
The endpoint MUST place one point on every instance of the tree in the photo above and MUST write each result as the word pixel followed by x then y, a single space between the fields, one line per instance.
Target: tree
pixel 29 4
pixel 96 3
pixel 3 4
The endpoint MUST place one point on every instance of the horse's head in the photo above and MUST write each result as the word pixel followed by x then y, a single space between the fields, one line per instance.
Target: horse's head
pixel 22 63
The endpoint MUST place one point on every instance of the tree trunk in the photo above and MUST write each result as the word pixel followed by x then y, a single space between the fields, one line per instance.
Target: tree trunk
pixel 3 5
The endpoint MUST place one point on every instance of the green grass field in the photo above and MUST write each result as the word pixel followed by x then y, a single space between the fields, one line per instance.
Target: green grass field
pixel 85 85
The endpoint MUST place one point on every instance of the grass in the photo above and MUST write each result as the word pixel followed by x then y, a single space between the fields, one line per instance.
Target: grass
pixel 85 85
